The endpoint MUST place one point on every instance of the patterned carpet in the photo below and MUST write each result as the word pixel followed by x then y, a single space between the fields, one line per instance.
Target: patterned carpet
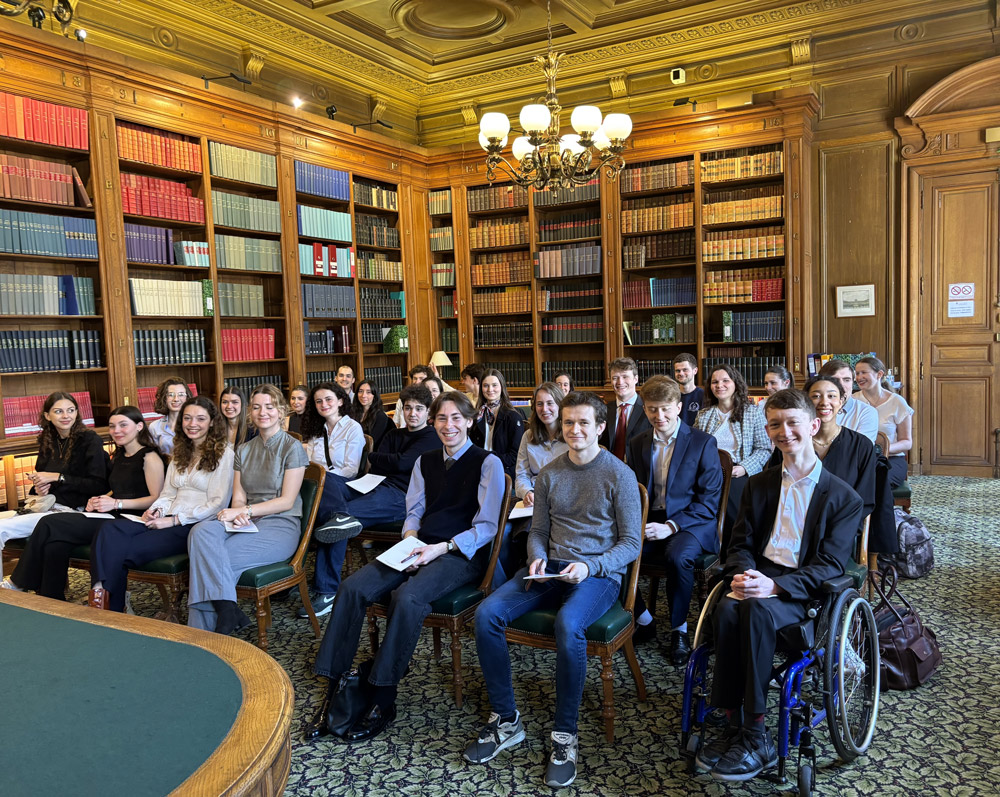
pixel 939 739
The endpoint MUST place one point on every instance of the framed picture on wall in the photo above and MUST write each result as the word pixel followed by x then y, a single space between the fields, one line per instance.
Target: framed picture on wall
pixel 855 300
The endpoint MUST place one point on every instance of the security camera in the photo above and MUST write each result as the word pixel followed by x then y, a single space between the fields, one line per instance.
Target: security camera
pixel 678 76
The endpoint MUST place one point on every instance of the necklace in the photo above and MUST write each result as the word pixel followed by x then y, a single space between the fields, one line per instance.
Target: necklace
pixel 820 444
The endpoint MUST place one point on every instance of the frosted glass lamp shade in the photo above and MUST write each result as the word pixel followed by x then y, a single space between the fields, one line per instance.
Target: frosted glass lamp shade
pixel 586 119
pixel 617 125
pixel 521 147
pixel 535 118
pixel 571 142
pixel 494 125
pixel 601 140
pixel 484 142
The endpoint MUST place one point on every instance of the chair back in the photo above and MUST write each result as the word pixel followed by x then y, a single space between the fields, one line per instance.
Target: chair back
pixel 631 580
pixel 506 503
pixel 726 461
pixel 311 490
pixel 296 435
pixel 369 447
pixel 882 441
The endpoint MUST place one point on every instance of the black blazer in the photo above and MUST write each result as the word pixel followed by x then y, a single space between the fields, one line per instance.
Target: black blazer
pixel 380 424
pixel 694 481
pixel 828 535
pixel 637 424
pixel 506 437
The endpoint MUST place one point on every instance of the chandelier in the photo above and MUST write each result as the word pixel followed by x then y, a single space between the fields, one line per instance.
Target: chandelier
pixel 544 157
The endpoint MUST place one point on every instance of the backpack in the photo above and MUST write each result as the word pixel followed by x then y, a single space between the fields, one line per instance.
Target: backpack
pixel 916 552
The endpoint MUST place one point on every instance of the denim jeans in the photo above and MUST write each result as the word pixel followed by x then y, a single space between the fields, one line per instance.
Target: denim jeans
pixel 579 606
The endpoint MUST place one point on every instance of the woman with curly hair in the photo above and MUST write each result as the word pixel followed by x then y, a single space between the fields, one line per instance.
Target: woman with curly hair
pixel 170 396
pixel 368 411
pixel 71 465
pixel 199 483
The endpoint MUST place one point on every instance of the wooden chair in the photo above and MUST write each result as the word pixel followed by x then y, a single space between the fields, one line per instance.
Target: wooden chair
pixel 260 583
pixel 369 447
pixel 454 610
pixel 608 634
pixel 703 562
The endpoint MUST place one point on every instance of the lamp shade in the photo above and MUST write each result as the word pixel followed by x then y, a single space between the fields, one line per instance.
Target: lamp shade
pixel 521 147
pixel 617 126
pixel 601 140
pixel 571 142
pixel 535 118
pixel 494 125
pixel 586 119
pixel 439 358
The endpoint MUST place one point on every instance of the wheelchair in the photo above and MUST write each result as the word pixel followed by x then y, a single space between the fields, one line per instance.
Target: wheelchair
pixel 830 673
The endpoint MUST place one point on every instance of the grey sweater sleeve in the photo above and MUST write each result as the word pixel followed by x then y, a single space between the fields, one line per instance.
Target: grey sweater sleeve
pixel 627 515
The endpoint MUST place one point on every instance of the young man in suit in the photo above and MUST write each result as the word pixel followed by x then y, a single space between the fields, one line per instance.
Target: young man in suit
pixel 625 415
pixel 679 466
pixel 796 529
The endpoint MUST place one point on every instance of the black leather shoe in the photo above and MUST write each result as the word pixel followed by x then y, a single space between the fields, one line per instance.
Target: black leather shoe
pixel 644 633
pixel 712 751
pixel 751 754
pixel 680 648
pixel 317 725
pixel 371 724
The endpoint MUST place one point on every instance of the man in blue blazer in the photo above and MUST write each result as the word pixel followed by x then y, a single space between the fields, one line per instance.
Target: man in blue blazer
pixel 679 466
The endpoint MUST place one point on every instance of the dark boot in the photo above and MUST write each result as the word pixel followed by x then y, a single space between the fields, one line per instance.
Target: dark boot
pixel 229 617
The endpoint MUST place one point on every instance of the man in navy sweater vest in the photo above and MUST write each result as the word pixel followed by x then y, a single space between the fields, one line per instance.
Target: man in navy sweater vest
pixel 454 511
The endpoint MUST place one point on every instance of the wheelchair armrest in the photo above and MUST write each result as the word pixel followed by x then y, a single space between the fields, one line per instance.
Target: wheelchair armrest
pixel 838 584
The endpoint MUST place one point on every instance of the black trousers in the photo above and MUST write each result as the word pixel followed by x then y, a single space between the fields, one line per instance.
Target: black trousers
pixel 676 554
pixel 897 471
pixel 45 562
pixel 736 487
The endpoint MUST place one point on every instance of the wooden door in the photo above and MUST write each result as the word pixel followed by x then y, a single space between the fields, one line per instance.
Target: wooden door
pixel 958 325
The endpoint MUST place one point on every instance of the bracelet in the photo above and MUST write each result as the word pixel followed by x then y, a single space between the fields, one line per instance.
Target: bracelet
pixel 249 510
pixel 119 506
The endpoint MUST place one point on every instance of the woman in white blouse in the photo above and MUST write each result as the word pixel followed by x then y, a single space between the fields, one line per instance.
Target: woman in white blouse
pixel 198 484
pixel 895 416
pixel 542 441
pixel 170 397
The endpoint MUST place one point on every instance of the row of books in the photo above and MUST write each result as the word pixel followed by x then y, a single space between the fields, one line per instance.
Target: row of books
pixel 328 301
pixel 740 291
pixel 376 266
pixel 247 166
pixel 512 333
pixel 816 360
pixel 245 212
pixel 326 260
pixel 746 204
pixel 376 231
pixel 439 202
pixel 442 239
pixel 569 226
pixel 449 339
pixel 145 398
pixel 22 413
pixel 46 294
pixel 650 368
pixel 330 225
pixel 752 368
pixel 742 163
pixel 496 197
pixel 583 295
pixel 314 378
pixel 664 292
pixel 171 297
pixel 573 329
pixel 749 244
pixel 44 122
pixel 568 261
pixel 653 215
pixel 373 332
pixel 26 351
pixel 499 301
pixel 500 268
pixel 585 373
pixel 375 195
pixel 387 378
pixel 247 344
pixel 241 300
pixel 748 273
pixel 147 244
pixel 561 196
pixel 158 147
pixel 747 327
pixel 248 383
pixel 500 231
pixel 37 180
pixel 516 374
pixel 334 340
pixel 322 181
pixel 446 305
pixel 160 199
pixel 26 233
pixel 169 346
pixel 247 254
pixel 653 176
pixel 443 275
pixel 449 373
pixel 382 303
pixel 657 247
pixel 662 328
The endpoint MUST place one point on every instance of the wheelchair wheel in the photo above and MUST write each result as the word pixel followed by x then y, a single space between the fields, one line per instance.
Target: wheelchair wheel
pixel 851 675
pixel 807 780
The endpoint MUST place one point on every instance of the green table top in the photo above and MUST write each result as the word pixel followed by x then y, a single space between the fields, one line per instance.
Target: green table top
pixel 88 710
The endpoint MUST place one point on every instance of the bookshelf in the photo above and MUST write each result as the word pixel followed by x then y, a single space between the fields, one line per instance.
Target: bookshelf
pixel 442 236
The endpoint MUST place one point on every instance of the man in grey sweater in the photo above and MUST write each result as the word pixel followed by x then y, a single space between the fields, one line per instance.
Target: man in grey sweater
pixel 586 529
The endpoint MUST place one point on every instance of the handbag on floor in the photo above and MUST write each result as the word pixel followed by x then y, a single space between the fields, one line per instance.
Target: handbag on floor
pixel 350 701
pixel 909 650
pixel 916 551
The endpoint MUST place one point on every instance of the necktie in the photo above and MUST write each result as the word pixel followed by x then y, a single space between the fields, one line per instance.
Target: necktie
pixel 618 448
pixel 448 463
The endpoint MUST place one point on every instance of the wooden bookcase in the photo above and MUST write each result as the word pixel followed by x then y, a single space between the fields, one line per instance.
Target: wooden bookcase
pixel 444 271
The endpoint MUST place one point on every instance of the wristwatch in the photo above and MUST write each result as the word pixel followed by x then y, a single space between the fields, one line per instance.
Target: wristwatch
pixel 451 546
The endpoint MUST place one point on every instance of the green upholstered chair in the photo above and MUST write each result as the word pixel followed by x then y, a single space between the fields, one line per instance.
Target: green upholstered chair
pixel 260 583
pixel 454 610
pixel 606 635
pixel 901 496
pixel 703 562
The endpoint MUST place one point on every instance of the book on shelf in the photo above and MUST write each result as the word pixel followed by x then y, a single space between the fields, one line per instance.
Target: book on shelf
pixel 45 294
pixel 333 340
pixel 145 398
pixel 42 234
pixel 328 301
pixel 21 413
pixel 43 122
pixel 248 383
pixel 590 191
pixel 244 165
pixel 25 351
pixel 170 297
pixel 752 326
pixel 330 225
pixel 247 344
pixel 322 181
pixel 376 195
pixel 449 339
pixel 573 329
pixel 169 346
pixel 567 226
pixel 157 147
pixel 443 275
pixel 752 367
pixel 655 247
pixel 326 260
pixel 382 303
pixel 387 378
pixel 156 245
pixel 568 261
pixel 512 333
pixel 743 163
pixel 654 176
pixel 816 360
pixel 442 239
pixel 743 291
pixel 583 295
pixel 161 199
pixel 658 292
pixel 245 212
pixel 376 231
pixel 653 214
pixel 499 231
pixel 496 301
pixel 439 202
pixel 516 373
pixel 501 268
pixel 37 180
pixel 585 373
pixel 247 254
pixel 496 197
pixel 750 244
pixel 377 266
pixel 662 328
pixel 743 204
pixel 241 299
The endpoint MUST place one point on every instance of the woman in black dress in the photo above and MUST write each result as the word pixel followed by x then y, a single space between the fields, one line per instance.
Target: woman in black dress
pixel 367 410
pixel 498 426
pixel 136 478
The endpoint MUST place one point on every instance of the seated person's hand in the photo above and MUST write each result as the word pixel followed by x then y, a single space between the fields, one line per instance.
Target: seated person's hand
pixel 42 489
pixel 753 584
pixel 536 568
pixel 161 522
pixel 237 515
pixel 101 503
pixel 739 470
pixel 409 533
pixel 574 572
pixel 151 514
pixel 426 554
pixel 40 477
pixel 529 498
pixel 657 531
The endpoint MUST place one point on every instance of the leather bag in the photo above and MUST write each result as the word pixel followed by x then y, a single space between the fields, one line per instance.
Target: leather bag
pixel 909 649
pixel 350 701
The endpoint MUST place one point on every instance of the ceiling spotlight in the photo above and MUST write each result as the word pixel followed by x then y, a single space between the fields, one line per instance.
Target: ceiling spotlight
pixel 37 16
pixel 331 111
pixel 81 34
pixel 297 102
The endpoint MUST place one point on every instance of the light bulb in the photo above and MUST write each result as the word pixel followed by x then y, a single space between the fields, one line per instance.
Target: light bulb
pixel 617 126
pixel 297 102
pixel 586 119
pixel 494 125
pixel 535 118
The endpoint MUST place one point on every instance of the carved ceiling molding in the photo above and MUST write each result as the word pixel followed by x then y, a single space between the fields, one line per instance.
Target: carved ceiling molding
pixel 801 50
pixel 470 114
pixel 253 61
pixel 618 84
pixel 378 106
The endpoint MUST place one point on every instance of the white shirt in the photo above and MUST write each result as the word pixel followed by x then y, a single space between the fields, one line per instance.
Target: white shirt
pixel 859 417
pixel 661 456
pixel 724 435
pixel 793 503
pixel 194 494
pixel 346 443
pixel 891 412
pixel 628 413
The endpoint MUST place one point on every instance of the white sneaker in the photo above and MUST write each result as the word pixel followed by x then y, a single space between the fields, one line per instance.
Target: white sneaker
pixel 8 584
pixel 494 738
